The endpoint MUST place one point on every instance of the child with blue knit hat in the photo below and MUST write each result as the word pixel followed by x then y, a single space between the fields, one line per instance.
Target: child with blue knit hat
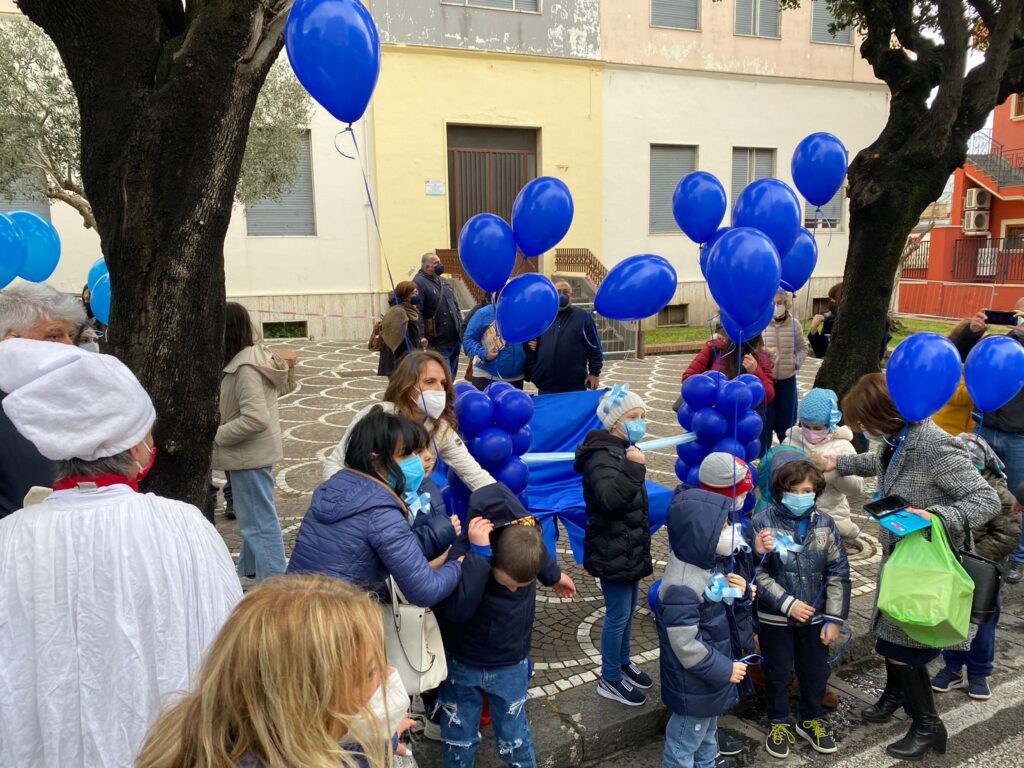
pixel 819 434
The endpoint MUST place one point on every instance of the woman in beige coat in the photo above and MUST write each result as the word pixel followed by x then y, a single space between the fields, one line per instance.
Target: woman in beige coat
pixel 248 442
pixel 784 340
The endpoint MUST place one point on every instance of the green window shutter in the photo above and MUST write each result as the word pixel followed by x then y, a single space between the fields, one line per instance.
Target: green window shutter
pixel 668 165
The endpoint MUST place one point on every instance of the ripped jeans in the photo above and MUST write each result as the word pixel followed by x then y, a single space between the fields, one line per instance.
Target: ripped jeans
pixel 460 701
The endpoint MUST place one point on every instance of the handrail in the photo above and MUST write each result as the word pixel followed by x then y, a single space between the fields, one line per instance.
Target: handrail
pixel 581 261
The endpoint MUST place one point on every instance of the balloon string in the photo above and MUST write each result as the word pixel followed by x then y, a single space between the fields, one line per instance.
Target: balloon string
pixel 818 212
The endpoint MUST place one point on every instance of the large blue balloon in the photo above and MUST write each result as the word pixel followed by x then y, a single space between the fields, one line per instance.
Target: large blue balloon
pixel 12 250
pixel 522 440
pixel 799 263
pixel 685 417
pixel 334 50
pixel 513 410
pixel 526 307
pixel 732 447
pixel 488 251
pixel 474 412
pixel 700 391
pixel 462 387
pixel 994 372
pixel 698 205
pixel 755 386
pixel 636 288
pixel 692 454
pixel 771 206
pixel 734 400
pixel 749 426
pixel 692 478
pixel 515 474
pixel 496 388
pixel 96 271
pixel 819 167
pixel 42 245
pixel 743 274
pixel 710 426
pixel 923 374
pixel 705 250
pixel 652 596
pixel 100 301
pixel 492 447
pixel 541 215
pixel 746 332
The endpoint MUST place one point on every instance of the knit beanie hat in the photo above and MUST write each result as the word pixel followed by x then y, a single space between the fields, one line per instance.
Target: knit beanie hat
pixel 821 406
pixel 616 403
pixel 724 474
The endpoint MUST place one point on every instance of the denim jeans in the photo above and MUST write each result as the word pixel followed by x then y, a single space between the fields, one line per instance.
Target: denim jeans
pixel 450 352
pixel 1009 448
pixel 690 742
pixel 461 702
pixel 262 551
pixel 978 659
pixel 620 605
pixel 780 414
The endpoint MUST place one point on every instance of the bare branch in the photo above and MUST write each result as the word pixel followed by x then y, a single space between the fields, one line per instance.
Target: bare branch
pixel 267 36
pixel 985 10
pixel 80 204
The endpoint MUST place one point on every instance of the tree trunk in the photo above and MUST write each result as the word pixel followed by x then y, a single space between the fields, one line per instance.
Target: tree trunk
pixel 165 106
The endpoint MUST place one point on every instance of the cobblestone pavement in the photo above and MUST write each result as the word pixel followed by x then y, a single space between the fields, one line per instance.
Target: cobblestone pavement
pixel 336 380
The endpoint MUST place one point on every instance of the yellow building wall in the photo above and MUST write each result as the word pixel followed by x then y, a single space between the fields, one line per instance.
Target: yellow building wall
pixel 422 90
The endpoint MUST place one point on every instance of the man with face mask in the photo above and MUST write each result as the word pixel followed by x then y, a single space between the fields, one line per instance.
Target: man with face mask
pixel 1003 429
pixel 568 356
pixel 439 308
pixel 108 597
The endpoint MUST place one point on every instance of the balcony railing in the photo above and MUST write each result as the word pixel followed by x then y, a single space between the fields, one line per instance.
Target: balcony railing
pixel 580 261
pixel 984 260
pixel 916 263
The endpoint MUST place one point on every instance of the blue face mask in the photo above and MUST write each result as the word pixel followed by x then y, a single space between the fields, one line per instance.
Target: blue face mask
pixel 563 300
pixel 798 503
pixel 416 300
pixel 412 472
pixel 635 430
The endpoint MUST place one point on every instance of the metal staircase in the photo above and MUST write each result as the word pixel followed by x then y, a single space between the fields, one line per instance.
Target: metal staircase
pixel 1004 167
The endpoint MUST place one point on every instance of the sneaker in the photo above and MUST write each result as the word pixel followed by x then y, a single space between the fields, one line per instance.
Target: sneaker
pixel 727 745
pixel 431 730
pixel 621 691
pixel 778 741
pixel 977 688
pixel 1014 573
pixel 816 733
pixel 229 511
pixel 721 762
pixel 947 680
pixel 636 676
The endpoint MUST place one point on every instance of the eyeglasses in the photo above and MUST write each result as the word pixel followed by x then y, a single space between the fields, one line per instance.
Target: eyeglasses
pixel 529 521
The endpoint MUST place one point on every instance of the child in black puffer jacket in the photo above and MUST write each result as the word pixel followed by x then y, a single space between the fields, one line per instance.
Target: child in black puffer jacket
pixel 617 544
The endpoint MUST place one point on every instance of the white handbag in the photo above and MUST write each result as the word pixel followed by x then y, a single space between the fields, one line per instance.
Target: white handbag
pixel 412 639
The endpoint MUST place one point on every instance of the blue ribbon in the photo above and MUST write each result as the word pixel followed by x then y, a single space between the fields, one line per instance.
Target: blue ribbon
pixel 615 396
pixel 786 547
pixel 719 591
pixel 752 660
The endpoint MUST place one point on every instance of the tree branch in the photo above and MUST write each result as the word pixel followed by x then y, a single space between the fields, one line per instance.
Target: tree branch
pixel 985 10
pixel 985 85
pixel 267 36
pixel 78 203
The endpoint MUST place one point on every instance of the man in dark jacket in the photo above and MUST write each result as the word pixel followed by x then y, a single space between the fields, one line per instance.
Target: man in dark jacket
pixel 442 319
pixel 568 356
pixel 1002 429
pixel 30 311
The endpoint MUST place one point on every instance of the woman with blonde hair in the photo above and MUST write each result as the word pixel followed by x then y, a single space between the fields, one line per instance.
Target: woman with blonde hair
pixel 290 680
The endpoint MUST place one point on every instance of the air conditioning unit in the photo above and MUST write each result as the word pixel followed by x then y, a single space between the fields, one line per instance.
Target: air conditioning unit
pixel 978 199
pixel 976 222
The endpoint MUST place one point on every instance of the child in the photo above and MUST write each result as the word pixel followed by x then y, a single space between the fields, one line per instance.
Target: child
pixel 617 544
pixel 803 599
pixel 698 672
pixel 487 626
pixel 820 435
pixel 994 540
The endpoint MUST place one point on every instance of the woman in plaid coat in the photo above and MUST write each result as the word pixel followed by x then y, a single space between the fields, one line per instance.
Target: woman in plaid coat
pixel 933 472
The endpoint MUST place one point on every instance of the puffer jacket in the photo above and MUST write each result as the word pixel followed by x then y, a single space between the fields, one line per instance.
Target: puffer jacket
pixel 694 632
pixel 509 365
pixel 617 542
pixel 356 531
pixel 997 538
pixel 249 435
pixel 710 359
pixel 834 500
pixel 790 345
pixel 433 527
pixel 819 575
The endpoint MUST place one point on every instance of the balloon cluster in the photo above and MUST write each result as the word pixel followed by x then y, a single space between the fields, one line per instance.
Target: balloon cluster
pixel 721 413
pixel 99 291
pixel 766 248
pixel 29 247
pixel 495 426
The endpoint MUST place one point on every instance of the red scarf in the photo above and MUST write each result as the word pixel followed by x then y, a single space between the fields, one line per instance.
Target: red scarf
pixel 100 481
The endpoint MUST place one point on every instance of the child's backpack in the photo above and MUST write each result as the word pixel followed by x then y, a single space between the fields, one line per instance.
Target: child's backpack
pixel 376 342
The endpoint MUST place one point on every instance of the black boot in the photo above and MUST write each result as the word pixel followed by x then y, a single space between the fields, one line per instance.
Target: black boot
pixel 891 700
pixel 926 731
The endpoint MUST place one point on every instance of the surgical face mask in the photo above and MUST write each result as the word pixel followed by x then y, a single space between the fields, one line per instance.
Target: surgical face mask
pixel 798 503
pixel 439 269
pixel 413 474
pixel 814 436
pixel 433 402
pixel 738 502
pixel 874 436
pixel 416 300
pixel 388 704
pixel 780 311
pixel 563 300
pixel 727 542
pixel 145 470
pixel 635 430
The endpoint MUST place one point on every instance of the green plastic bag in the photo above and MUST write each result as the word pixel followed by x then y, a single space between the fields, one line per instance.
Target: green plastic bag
pixel 925 591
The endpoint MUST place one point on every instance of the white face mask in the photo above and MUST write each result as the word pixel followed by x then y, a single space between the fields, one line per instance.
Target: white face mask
pixel 739 501
pixel 780 311
pixel 388 710
pixel 727 542
pixel 873 436
pixel 433 402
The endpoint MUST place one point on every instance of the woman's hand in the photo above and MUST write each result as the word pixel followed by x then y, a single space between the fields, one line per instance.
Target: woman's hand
pixel 749 363
pixel 440 560
pixel 492 353
pixel 922 513
pixel 735 580
pixel 827 463
pixel 480 531
pixel 816 323
pixel 456 524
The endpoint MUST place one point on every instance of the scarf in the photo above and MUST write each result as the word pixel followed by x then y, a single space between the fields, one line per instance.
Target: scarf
pixel 396 320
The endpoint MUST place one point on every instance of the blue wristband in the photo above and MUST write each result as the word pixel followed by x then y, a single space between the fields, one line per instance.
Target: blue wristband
pixel 483 551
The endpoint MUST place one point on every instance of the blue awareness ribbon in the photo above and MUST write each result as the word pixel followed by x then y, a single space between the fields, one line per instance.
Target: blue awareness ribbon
pixel 617 395
pixel 786 547
pixel 718 591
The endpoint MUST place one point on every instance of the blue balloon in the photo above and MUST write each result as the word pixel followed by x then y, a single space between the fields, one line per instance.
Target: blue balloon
pixel 334 50
pixel 541 215
pixel 636 288
pixel 682 470
pixel 685 417
pixel 492 447
pixel 474 411
pixel 705 250
pixel 734 400
pixel 692 453
pixel 819 167
pixel 462 387
pixel 923 374
pixel 12 250
pixel 693 478
pixel 750 425
pixel 994 372
pixel 753 450
pixel 698 205
pixel 747 332
pixel 496 388
pixel 515 475
pixel 732 447
pixel 526 307
pixel 100 300
pixel 513 410
pixel 700 391
pixel 718 377
pixel 652 596
pixel 743 274
pixel 96 271
pixel 521 441
pixel 799 262
pixel 710 426
pixel 488 251
pixel 753 475
pixel 772 207
pixel 42 245
pixel 755 386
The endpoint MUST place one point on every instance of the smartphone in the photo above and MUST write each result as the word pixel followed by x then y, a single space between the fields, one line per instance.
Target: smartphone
pixel 887 506
pixel 999 317
pixel 891 514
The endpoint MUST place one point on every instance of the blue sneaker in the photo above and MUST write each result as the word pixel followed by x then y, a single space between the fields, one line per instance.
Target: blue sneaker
pixel 947 680
pixel 620 691
pixel 636 676
pixel 977 688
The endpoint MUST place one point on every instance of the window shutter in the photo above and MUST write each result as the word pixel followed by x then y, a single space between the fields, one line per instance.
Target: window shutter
pixel 820 20
pixel 668 165
pixel 507 5
pixel 291 215
pixel 744 17
pixel 768 18
pixel 21 202
pixel 681 14
pixel 527 5
pixel 740 171
pixel 764 163
pixel 832 210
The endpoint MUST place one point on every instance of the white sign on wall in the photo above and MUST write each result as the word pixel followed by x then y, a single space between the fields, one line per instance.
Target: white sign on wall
pixel 435 189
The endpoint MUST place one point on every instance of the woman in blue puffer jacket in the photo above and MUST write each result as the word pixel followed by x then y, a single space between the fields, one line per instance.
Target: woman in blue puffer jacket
pixel 357 526
pixel 494 359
